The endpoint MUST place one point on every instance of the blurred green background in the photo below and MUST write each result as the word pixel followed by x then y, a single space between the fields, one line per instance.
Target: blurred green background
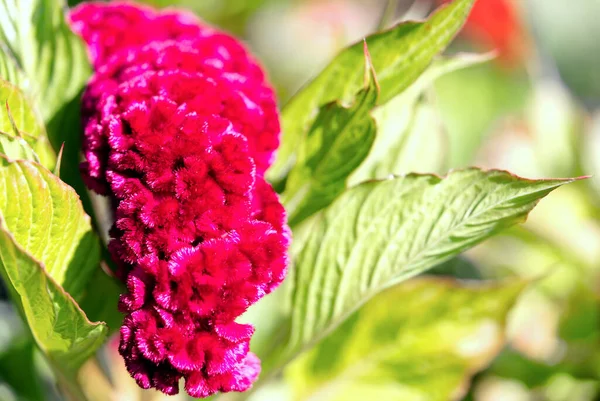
pixel 534 110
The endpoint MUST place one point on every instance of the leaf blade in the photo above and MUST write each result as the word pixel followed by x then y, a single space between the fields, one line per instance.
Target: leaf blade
pixel 17 106
pixel 46 217
pixel 387 346
pixel 383 232
pixel 336 144
pixel 411 137
pixel 48 253
pixel 41 300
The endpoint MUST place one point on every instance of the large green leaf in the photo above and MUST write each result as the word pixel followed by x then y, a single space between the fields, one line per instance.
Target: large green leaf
pixel 399 56
pixel 59 327
pixel 336 144
pixel 48 253
pixel 383 232
pixel 419 341
pixel 52 57
pixel 27 122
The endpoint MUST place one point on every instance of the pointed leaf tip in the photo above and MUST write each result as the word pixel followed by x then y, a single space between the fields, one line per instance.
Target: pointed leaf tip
pixel 12 120
pixel 370 74
pixel 56 170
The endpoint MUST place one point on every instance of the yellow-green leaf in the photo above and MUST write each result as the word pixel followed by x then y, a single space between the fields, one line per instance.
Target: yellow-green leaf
pixel 48 252
pixel 419 341
pixel 15 104
pixel 383 232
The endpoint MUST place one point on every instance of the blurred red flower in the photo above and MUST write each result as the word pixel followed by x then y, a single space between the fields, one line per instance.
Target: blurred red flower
pixel 495 25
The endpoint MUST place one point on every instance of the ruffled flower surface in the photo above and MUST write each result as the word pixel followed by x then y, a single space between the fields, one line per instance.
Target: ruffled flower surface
pixel 125 40
pixel 172 133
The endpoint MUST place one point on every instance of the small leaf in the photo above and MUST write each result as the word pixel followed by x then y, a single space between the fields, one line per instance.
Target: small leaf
pixel 399 56
pixel 336 144
pixel 56 170
pixel 383 232
pixel 19 118
pixel 421 340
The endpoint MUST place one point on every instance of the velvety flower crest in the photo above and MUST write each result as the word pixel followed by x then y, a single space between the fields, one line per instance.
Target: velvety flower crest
pixel 173 131
pixel 125 39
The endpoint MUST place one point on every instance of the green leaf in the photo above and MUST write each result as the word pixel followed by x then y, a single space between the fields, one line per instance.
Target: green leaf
pixel 48 253
pixel 411 136
pixel 336 144
pixel 15 105
pixel 46 218
pixel 341 138
pixel 16 148
pixel 52 57
pixel 383 232
pixel 399 56
pixel 421 340
pixel 60 328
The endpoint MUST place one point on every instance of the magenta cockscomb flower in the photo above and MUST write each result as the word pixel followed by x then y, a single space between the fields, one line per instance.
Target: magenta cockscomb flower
pixel 125 40
pixel 173 134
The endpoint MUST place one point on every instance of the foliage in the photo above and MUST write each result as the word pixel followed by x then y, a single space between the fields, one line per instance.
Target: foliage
pixel 401 355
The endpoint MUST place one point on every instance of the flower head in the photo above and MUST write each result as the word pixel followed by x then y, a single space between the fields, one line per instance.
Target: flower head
pixel 172 133
pixel 125 40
